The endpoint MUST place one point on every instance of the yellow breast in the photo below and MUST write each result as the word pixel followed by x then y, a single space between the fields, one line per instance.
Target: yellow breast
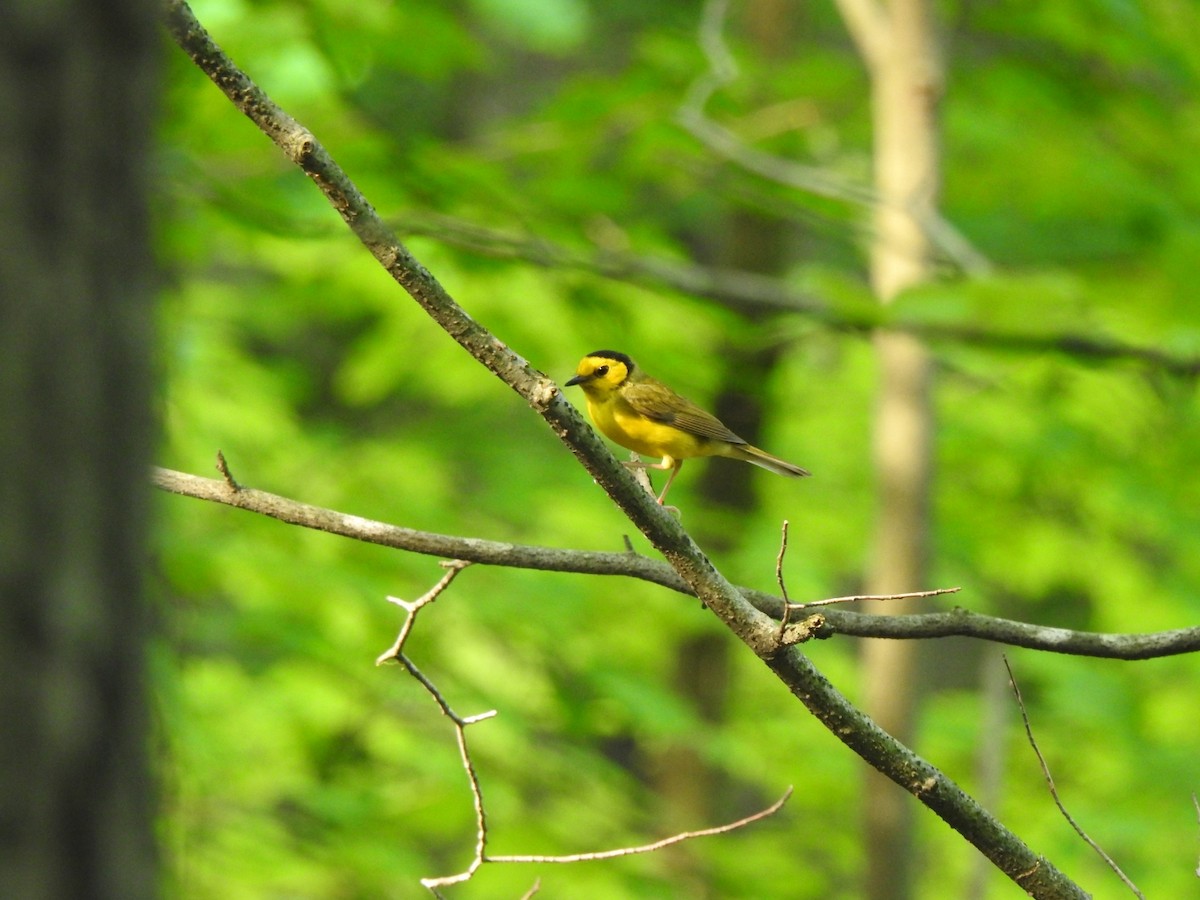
pixel 619 422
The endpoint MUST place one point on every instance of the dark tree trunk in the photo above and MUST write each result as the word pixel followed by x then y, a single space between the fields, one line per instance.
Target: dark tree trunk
pixel 77 97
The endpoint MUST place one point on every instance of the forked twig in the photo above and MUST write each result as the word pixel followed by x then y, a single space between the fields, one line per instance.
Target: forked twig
pixel 805 630
pixel 1109 861
pixel 460 731
pixel 396 652
pixel 415 606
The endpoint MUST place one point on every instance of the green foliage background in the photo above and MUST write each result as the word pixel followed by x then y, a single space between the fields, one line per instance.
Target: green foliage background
pixel 1066 490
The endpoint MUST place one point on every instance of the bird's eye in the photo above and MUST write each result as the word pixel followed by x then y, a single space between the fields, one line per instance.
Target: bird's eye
pixel 601 371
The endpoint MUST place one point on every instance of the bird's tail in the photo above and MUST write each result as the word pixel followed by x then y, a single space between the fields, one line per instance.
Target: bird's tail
pixel 767 461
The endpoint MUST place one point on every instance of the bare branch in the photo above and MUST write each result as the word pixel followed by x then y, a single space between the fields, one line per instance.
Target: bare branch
pixel 955 623
pixel 492 553
pixel 650 848
pixel 1054 791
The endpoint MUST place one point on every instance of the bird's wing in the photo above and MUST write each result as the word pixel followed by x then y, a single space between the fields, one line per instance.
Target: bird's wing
pixel 658 402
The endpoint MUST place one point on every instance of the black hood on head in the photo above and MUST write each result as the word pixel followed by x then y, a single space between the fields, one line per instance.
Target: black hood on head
pixel 616 357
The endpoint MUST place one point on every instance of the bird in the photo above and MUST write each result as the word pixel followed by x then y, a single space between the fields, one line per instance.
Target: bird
pixel 645 416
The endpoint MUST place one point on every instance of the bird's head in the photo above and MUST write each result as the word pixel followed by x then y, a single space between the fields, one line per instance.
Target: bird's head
pixel 602 372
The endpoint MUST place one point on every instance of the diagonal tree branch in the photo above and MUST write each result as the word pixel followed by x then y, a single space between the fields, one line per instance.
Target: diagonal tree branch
pixel 1033 873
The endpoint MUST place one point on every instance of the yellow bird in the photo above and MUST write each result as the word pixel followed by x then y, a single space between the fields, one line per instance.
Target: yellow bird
pixel 647 417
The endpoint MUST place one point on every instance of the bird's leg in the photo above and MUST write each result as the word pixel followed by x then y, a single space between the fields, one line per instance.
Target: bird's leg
pixel 667 463
pixel 677 464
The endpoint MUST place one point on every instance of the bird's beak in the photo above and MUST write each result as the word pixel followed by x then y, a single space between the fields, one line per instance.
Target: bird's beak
pixel 578 379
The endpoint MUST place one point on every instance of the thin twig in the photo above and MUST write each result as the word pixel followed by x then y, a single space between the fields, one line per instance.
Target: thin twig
pixel 1109 861
pixel 908 596
pixel 649 848
pixel 788 606
pixel 1196 804
pixel 789 634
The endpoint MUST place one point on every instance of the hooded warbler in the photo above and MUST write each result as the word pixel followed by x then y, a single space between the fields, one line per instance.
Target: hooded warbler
pixel 647 417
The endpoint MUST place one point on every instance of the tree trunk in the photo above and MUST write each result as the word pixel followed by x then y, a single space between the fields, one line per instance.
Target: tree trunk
pixel 897 43
pixel 77 98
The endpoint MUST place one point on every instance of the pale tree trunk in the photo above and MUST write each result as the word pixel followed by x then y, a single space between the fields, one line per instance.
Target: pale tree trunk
pixel 690 787
pixel 896 42
pixel 77 95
